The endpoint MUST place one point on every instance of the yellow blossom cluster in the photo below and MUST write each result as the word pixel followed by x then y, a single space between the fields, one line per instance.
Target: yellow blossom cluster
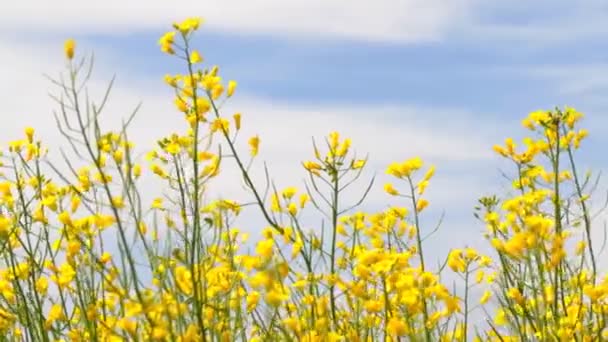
pixel 86 256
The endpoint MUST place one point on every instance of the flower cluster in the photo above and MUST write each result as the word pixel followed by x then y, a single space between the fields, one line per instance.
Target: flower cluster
pixel 86 256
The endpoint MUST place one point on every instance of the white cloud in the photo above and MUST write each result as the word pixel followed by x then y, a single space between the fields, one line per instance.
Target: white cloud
pixel 542 22
pixel 539 23
pixel 387 133
pixel 382 20
pixel 574 79
pixel 449 138
pixel 442 136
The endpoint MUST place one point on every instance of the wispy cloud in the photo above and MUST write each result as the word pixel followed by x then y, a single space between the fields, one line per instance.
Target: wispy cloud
pixel 540 23
pixel 574 78
pixel 383 20
pixel 453 139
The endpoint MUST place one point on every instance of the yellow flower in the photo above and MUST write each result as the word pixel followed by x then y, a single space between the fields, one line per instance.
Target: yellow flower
pixel 292 208
pixel 73 248
pixel 303 199
pixel 264 248
pixel 203 106
pixel 183 278
pixel 159 333
pixel 38 215
pixel 68 48
pixel 166 42
pixel 231 88
pixel 5 226
pixel 64 218
pixel 167 38
pixel 292 323
pixel 157 203
pixel 394 170
pixel 195 57
pixel 171 80
pixel 181 105
pixel 136 170
pixel 343 149
pixel 172 148
pixel 389 189
pixel 396 327
pixel 422 203
pixel 188 25
pixel 404 169
pixel 479 276
pixel 422 186
pixel 29 133
pixel 252 300
pixel 132 308
pixel 312 167
pixel 357 164
pixel 55 314
pixel 289 192
pixel 117 202
pixel 373 305
pixel 103 221
pixel 296 248
pixel 452 304
pixel 500 318
pixel 118 156
pixel 514 294
pixel 220 124
pixel 429 173
pixel 128 325
pixel 455 261
pixel 485 297
pixel 142 228
pixel 42 285
pixel 156 169
pixel 254 145
pixel 74 203
pixel 276 297
pixel 237 119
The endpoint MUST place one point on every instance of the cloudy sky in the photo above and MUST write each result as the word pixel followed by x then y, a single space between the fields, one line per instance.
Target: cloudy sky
pixel 439 79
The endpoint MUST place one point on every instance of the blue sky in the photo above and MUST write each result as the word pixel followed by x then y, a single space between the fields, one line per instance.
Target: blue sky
pixel 443 79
